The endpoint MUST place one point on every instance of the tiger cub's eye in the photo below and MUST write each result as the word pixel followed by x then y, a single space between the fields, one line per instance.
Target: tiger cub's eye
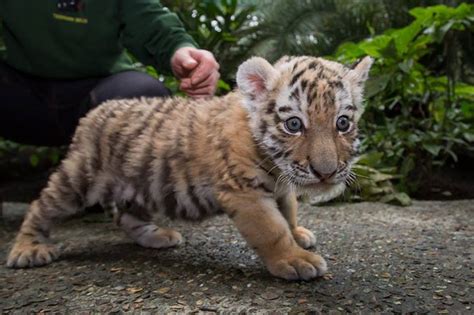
pixel 343 123
pixel 293 125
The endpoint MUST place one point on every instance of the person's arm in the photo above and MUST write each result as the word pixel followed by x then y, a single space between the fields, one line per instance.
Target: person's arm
pixel 152 33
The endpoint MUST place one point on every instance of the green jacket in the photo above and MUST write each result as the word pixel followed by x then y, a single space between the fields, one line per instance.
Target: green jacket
pixel 90 41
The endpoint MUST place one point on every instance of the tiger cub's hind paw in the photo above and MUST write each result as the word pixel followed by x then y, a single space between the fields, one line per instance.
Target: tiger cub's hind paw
pixel 29 254
pixel 304 237
pixel 159 238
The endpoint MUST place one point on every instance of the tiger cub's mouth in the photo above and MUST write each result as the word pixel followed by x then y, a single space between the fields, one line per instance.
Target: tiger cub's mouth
pixel 315 182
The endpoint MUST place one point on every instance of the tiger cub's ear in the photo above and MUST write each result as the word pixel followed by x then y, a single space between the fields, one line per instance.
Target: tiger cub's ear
pixel 255 78
pixel 357 77
pixel 360 72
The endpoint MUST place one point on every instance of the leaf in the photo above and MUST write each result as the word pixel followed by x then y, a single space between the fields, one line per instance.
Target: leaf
pixel 380 177
pixel 349 52
pixel 432 148
pixel 469 137
pixel 221 84
pixel 406 65
pixel 377 46
pixel 405 36
pixel 369 159
pixel 399 199
pixel 407 166
pixel 34 160
pixel 377 84
pixel 464 89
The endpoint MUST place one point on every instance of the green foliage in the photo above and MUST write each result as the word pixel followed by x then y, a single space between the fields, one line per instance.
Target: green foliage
pixel 318 27
pixel 417 116
pixel 16 159
pixel 376 184
pixel 220 26
pixel 420 98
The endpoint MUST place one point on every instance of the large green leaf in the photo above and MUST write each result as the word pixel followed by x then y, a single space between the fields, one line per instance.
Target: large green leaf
pixel 434 149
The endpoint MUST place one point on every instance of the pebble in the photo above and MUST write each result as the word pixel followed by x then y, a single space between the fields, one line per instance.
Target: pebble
pixel 270 295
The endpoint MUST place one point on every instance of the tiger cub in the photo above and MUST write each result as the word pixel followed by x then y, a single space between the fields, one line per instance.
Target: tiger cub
pixel 289 128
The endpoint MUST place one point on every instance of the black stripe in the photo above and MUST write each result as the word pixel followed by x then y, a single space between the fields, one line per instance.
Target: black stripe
pixel 295 94
pixel 263 127
pixel 284 109
pixel 96 160
pixel 169 198
pixel 335 84
pixel 276 139
pixel 296 77
pixel 196 202
pixel 82 178
pixel 35 226
pixel 295 66
pixel 312 92
pixel 146 174
pixel 287 153
pixel 271 107
pixel 278 155
pixel 304 83
pixel 143 124
pixel 313 65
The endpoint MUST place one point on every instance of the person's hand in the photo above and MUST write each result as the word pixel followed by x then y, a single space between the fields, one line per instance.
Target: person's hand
pixel 198 71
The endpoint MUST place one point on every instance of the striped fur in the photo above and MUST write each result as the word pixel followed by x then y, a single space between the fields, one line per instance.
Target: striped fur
pixel 190 159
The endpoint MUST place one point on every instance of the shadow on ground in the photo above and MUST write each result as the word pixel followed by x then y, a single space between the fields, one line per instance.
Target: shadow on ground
pixel 381 258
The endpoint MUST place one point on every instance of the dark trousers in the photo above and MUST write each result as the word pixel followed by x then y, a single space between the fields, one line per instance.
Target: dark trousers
pixel 46 112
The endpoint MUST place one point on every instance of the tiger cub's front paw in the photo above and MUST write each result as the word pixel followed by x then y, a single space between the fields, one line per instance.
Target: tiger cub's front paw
pixel 298 264
pixel 29 254
pixel 304 237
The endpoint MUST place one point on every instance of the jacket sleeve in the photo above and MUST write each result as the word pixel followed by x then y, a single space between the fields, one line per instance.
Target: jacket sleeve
pixel 152 33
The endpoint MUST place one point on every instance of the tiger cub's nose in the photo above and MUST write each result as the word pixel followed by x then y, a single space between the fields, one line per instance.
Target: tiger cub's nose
pixel 322 173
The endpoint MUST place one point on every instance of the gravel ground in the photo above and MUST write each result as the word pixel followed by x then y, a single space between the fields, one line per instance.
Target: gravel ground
pixel 381 258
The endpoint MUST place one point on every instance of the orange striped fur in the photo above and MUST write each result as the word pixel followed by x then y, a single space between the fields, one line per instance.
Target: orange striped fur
pixel 247 154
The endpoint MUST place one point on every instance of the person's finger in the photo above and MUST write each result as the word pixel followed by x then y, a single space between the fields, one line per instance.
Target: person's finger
pixel 202 73
pixel 185 84
pixel 188 63
pixel 207 65
pixel 183 62
pixel 211 80
pixel 200 54
pixel 209 86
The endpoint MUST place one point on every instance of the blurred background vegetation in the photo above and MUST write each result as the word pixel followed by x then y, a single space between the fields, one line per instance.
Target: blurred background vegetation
pixel 418 128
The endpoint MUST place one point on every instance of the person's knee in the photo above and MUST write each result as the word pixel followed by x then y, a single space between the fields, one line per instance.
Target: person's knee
pixel 130 84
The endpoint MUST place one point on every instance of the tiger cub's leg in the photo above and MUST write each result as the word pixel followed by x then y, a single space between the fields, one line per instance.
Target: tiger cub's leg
pixel 139 227
pixel 265 229
pixel 288 206
pixel 60 199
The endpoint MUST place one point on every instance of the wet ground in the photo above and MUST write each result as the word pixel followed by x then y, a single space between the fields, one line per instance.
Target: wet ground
pixel 381 258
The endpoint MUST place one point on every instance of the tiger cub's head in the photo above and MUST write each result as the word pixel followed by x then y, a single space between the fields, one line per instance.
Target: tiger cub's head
pixel 303 113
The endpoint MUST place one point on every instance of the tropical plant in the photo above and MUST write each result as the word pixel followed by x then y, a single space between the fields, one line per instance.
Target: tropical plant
pixel 418 116
pixel 317 27
pixel 18 159
pixel 220 26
